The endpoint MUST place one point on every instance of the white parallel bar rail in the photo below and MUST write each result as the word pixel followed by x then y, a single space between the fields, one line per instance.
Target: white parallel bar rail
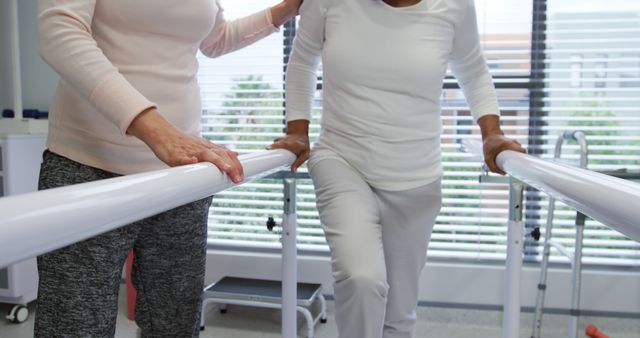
pixel 609 200
pixel 35 223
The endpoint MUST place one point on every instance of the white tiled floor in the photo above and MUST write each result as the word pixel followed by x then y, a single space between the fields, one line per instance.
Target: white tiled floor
pixel 248 322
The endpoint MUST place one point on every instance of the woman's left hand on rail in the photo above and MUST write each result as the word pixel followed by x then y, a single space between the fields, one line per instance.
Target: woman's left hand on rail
pixel 493 145
pixel 176 148
pixel 494 142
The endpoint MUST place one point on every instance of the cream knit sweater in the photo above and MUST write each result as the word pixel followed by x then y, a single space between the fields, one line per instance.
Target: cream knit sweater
pixel 117 58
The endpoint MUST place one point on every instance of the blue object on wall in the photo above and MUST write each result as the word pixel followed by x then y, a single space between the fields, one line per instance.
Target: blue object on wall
pixel 8 113
pixel 26 113
pixel 34 114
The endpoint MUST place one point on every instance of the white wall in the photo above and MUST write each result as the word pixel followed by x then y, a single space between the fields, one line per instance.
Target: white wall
pixel 38 79
pixel 5 57
pixel 456 284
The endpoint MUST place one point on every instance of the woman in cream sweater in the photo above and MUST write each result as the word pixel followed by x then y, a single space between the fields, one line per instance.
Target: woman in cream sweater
pixel 128 101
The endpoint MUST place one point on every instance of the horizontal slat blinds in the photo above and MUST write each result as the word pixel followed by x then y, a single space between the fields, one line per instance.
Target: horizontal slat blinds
pixel 243 98
pixel 590 77
pixel 472 223
pixel 554 69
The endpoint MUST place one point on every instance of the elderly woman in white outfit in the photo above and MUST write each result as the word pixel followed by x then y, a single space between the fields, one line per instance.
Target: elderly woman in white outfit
pixel 376 166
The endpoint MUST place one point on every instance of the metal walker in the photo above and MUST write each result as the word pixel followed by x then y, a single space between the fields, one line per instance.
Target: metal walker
pixel 575 257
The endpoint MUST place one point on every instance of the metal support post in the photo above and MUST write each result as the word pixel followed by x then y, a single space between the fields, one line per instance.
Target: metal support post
pixel 515 239
pixel 289 261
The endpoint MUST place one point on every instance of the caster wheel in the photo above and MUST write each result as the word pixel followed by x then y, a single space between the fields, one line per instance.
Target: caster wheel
pixel 323 320
pixel 223 311
pixel 201 328
pixel 18 314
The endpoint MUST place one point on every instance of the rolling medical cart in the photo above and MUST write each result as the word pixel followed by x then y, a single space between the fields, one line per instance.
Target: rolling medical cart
pixel 20 158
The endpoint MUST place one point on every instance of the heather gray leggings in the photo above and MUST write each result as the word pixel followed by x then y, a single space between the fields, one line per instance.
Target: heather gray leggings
pixel 79 284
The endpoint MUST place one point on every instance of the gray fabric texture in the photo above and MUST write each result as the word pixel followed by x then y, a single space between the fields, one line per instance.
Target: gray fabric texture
pixel 79 284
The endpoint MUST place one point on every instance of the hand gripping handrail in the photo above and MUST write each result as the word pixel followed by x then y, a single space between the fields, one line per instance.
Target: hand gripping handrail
pixel 611 201
pixel 35 223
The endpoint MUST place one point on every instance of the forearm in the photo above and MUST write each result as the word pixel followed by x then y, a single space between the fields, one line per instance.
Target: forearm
pixel 477 84
pixel 490 125
pixel 282 12
pixel 228 36
pixel 468 64
pixel 298 127
pixel 175 148
pixel 151 127
pixel 301 82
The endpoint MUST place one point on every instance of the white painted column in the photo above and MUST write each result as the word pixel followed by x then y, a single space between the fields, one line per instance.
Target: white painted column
pixel 289 261
pixel 16 74
pixel 513 272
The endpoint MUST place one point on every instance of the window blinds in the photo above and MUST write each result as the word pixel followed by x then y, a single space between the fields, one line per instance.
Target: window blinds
pixel 589 80
pixel 555 68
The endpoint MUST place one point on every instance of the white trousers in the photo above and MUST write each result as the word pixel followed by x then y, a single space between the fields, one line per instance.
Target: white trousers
pixel 378 242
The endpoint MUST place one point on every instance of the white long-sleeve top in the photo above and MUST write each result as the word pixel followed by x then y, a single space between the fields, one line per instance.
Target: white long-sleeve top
pixel 383 70
pixel 117 58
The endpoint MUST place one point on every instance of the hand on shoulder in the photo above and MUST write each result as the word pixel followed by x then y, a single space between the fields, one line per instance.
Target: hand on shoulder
pixel 284 11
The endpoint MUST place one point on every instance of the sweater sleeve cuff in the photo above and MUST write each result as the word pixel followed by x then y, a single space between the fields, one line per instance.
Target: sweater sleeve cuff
pixel 119 101
pixel 297 115
pixel 262 26
pixel 478 115
pixel 267 25
pixel 270 20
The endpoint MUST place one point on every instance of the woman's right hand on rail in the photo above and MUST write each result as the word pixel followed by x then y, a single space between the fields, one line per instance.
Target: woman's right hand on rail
pixel 296 141
pixel 176 148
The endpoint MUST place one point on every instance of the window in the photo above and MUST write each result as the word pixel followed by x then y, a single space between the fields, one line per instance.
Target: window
pixel 576 70
pixel 554 69
pixel 602 39
pixel 243 108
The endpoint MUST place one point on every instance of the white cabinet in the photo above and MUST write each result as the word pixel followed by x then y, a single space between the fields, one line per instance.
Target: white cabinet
pixel 20 158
